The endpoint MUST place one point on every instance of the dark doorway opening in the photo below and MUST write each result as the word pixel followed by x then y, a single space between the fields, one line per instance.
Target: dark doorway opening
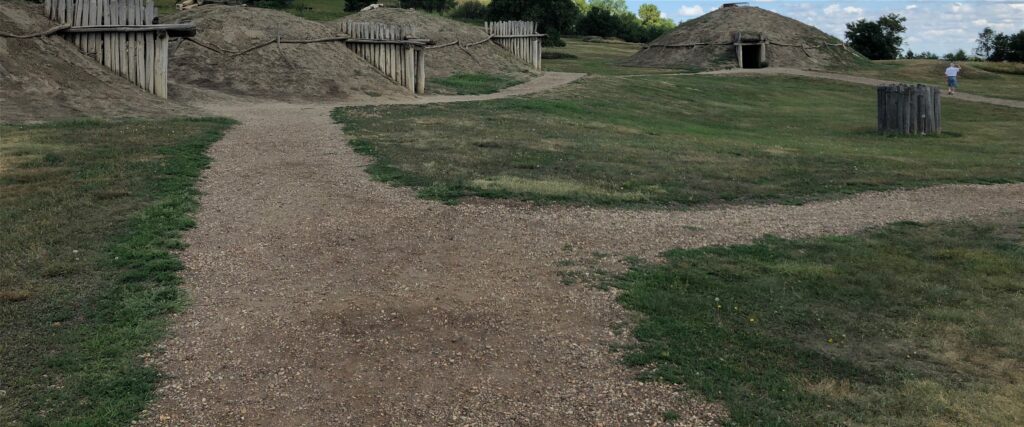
pixel 752 56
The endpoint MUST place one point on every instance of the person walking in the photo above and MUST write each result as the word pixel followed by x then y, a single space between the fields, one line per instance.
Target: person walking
pixel 951 75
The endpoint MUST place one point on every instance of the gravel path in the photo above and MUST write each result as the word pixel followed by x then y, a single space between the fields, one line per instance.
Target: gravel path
pixel 322 297
pixel 860 80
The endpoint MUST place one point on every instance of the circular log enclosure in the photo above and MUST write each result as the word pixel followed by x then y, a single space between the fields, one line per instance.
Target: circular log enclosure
pixel 909 110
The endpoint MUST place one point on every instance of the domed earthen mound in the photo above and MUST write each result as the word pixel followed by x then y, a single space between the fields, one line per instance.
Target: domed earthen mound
pixel 482 58
pixel 47 78
pixel 769 39
pixel 279 71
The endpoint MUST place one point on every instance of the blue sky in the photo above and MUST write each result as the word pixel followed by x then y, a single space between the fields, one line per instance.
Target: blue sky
pixel 936 26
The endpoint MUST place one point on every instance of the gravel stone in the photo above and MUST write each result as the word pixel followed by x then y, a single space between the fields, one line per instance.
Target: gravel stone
pixel 320 296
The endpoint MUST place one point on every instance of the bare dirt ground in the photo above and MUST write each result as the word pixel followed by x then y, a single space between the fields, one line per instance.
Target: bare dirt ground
pixel 860 80
pixel 322 297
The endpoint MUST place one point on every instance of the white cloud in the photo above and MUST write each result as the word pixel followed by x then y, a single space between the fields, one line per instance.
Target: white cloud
pixel 911 7
pixel 1017 6
pixel 835 9
pixel 961 8
pixel 664 15
pixel 691 10
pixel 980 22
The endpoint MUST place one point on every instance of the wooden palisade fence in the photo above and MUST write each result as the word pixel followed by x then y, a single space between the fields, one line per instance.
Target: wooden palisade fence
pixel 519 37
pixel 388 48
pixel 122 35
pixel 909 109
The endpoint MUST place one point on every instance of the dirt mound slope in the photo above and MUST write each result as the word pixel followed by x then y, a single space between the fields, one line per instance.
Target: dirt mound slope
pixel 313 71
pixel 483 58
pixel 705 43
pixel 48 78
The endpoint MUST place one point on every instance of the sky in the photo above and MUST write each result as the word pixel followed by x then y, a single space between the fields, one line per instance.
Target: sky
pixel 936 26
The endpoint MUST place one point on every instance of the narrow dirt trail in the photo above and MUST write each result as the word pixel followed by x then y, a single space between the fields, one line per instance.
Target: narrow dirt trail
pixel 860 80
pixel 322 297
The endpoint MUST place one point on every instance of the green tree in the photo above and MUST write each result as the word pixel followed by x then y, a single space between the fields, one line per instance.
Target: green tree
pixel 553 17
pixel 986 43
pixel 428 5
pixel 583 6
pixel 649 14
pixel 617 7
pixel 909 55
pixel 877 39
pixel 959 55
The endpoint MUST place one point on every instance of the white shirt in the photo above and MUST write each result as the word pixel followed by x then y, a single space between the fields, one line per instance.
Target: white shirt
pixel 952 71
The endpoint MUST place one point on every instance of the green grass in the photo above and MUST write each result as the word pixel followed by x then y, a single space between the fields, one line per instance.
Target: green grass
pixel 975 78
pixel 906 325
pixel 1000 67
pixel 597 58
pixel 678 141
pixel 90 213
pixel 471 84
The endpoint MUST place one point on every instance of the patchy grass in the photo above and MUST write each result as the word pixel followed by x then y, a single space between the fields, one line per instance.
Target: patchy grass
pixel 1000 67
pixel 314 10
pixel 90 213
pixel 906 325
pixel 975 78
pixel 678 141
pixel 595 58
pixel 471 84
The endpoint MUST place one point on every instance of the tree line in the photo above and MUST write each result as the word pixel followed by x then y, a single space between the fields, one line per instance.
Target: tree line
pixel 883 39
pixel 605 18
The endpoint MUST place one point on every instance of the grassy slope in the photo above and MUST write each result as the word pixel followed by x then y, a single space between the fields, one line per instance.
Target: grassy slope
pixel 907 325
pixel 316 10
pixel 470 84
pixel 597 58
pixel 973 80
pixel 679 140
pixel 89 214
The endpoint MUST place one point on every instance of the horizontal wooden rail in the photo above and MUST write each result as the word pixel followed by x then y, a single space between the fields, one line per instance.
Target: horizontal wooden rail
pixel 519 36
pixel 403 42
pixel 174 30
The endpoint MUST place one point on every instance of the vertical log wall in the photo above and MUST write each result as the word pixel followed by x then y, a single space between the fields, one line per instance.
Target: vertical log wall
pixel 519 37
pixel 129 49
pixel 909 110
pixel 389 49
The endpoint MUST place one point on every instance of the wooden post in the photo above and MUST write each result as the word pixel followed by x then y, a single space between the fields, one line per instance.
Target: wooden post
pixel 421 71
pixel 909 110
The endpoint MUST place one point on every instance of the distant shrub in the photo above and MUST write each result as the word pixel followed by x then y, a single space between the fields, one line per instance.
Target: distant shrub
pixel 429 5
pixel 357 5
pixel 470 9
pixel 557 55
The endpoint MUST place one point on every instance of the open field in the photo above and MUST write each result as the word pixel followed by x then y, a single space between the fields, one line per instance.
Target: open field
pixel 678 141
pixel 974 78
pixel 470 84
pixel 597 58
pixel 89 214
pixel 909 324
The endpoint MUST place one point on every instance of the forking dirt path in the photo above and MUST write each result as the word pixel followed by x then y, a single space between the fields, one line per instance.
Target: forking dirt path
pixel 321 297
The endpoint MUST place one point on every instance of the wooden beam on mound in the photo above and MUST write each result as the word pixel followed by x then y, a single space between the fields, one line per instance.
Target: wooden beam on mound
pixel 418 42
pixel 173 30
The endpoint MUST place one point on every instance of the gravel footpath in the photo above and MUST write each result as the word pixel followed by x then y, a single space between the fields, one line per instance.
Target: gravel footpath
pixel 322 297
